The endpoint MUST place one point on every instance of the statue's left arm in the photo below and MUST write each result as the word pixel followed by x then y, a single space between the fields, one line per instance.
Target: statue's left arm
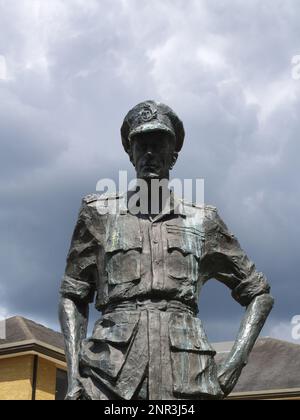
pixel 252 323
pixel 225 261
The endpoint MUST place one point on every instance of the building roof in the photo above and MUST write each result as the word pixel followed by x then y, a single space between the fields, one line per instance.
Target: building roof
pixel 25 335
pixel 273 365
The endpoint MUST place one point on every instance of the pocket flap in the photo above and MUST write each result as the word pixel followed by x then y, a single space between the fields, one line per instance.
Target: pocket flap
pixel 187 334
pixel 186 239
pixel 178 227
pixel 116 327
pixel 185 244
pixel 125 243
pixel 123 234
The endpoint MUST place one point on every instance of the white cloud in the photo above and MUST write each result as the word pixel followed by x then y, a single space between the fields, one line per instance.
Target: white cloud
pixel 3 313
pixel 3 316
pixel 282 330
pixel 3 68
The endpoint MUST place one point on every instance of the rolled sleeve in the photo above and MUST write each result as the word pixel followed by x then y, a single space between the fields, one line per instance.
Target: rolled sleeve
pixel 80 279
pixel 225 260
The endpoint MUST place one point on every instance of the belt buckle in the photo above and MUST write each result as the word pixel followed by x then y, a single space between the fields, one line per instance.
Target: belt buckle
pixel 165 305
pixel 140 303
pixel 161 305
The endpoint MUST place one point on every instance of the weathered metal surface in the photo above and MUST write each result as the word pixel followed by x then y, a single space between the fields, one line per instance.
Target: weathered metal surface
pixel 145 273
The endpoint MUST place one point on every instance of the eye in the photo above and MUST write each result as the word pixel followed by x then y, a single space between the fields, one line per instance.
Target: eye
pixel 138 146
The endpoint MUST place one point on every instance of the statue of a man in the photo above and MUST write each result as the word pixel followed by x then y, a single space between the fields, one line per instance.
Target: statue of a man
pixel 145 270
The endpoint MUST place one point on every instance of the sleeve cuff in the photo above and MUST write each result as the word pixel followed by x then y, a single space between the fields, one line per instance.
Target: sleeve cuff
pixel 249 288
pixel 77 289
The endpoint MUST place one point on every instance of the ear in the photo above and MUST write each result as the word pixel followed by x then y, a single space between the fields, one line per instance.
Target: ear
pixel 173 160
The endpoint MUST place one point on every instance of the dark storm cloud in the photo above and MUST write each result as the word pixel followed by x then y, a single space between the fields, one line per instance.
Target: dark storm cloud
pixel 74 68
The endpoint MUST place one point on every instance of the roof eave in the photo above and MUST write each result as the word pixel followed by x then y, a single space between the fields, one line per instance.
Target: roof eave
pixel 33 345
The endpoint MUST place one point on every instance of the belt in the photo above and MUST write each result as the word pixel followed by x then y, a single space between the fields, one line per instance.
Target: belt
pixel 148 304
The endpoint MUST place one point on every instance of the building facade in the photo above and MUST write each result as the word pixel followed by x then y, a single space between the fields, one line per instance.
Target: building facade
pixel 32 362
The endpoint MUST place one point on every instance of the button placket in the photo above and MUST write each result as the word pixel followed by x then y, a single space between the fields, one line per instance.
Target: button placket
pixel 156 255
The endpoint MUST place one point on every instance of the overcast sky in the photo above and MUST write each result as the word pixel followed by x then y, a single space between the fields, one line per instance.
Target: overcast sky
pixel 69 72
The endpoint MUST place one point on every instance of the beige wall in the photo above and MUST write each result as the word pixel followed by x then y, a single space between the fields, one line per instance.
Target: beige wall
pixel 15 378
pixel 46 380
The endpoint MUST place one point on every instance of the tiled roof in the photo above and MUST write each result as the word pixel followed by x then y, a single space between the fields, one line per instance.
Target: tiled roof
pixel 20 329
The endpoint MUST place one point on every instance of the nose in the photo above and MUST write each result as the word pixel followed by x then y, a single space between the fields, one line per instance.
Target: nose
pixel 149 152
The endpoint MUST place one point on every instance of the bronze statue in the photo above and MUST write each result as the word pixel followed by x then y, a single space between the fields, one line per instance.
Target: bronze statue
pixel 145 270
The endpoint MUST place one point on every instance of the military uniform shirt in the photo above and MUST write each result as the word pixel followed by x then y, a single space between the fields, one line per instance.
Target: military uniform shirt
pixel 124 258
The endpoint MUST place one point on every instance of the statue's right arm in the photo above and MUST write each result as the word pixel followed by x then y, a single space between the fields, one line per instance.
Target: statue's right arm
pixel 77 292
pixel 74 321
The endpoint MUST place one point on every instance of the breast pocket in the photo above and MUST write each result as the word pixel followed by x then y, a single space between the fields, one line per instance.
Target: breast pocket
pixel 123 253
pixel 123 266
pixel 183 252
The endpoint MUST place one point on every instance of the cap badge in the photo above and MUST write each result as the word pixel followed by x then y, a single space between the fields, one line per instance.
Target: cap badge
pixel 148 113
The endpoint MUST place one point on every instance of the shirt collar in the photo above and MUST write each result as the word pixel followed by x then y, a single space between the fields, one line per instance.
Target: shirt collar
pixel 174 206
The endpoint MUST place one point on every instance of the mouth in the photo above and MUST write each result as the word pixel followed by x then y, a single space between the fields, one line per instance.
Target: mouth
pixel 150 167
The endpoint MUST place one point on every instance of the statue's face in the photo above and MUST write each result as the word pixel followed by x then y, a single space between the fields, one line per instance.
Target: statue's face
pixel 153 154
